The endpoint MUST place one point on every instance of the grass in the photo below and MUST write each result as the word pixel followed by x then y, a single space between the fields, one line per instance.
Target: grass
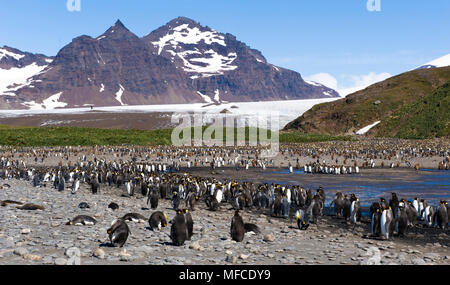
pixel 75 136
pixel 358 110
pixel 297 137
pixel 428 117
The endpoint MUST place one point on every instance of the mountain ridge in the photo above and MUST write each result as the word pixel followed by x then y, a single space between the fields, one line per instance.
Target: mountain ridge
pixel 180 62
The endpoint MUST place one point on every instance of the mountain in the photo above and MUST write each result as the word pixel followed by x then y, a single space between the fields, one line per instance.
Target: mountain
pixel 379 102
pixel 221 68
pixel 17 67
pixel 440 62
pixel 180 62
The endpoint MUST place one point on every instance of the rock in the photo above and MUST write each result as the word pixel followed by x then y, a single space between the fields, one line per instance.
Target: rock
pixel 243 256
pixel 195 245
pixel 32 257
pixel 60 261
pixel 47 260
pixel 229 252
pixel 269 238
pixel 378 102
pixel 231 259
pixel 99 253
pixel 21 251
pixel 418 261
pixel 25 231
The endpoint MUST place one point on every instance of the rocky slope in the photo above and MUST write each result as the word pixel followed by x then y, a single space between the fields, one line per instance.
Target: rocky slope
pixel 378 102
pixel 181 62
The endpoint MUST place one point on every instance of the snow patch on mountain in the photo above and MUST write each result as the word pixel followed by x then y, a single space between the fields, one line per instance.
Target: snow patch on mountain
pixel 211 63
pixel 206 98
pixel 15 78
pixel 367 128
pixel 184 34
pixel 50 103
pixel 16 56
pixel 119 95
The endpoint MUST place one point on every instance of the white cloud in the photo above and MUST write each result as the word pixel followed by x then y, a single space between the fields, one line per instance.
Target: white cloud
pixel 325 79
pixel 355 82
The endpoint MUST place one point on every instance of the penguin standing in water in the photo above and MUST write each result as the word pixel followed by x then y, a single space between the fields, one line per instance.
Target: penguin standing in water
pixel 178 231
pixel 118 232
pixel 387 223
pixel 442 215
pixel 338 203
pixel 237 229
pixel 401 222
pixel 393 203
pixel 346 209
pixel 189 224
pixel 302 220
pixel 152 199
pixel 157 220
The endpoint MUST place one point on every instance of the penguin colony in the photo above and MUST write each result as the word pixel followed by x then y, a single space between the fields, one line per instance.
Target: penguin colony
pixel 157 180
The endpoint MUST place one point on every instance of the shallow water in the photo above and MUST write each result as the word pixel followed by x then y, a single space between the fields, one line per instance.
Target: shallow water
pixel 429 184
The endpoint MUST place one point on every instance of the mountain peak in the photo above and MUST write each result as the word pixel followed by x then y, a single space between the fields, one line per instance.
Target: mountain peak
pixel 118 30
pixel 183 20
pixel 119 24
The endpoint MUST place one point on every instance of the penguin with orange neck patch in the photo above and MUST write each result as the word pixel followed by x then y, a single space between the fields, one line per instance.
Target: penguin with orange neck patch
pixel 157 221
pixel 118 232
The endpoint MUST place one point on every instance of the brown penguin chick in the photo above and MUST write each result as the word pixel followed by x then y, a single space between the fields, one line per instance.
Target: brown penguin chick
pixel 237 230
pixel 178 231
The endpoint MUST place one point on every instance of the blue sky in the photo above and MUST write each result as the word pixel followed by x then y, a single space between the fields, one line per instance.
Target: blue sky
pixel 321 39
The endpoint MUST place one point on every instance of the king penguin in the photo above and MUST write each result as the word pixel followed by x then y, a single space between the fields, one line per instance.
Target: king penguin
pixel 118 232
pixel 189 224
pixel 387 223
pixel 442 215
pixel 157 220
pixel 302 220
